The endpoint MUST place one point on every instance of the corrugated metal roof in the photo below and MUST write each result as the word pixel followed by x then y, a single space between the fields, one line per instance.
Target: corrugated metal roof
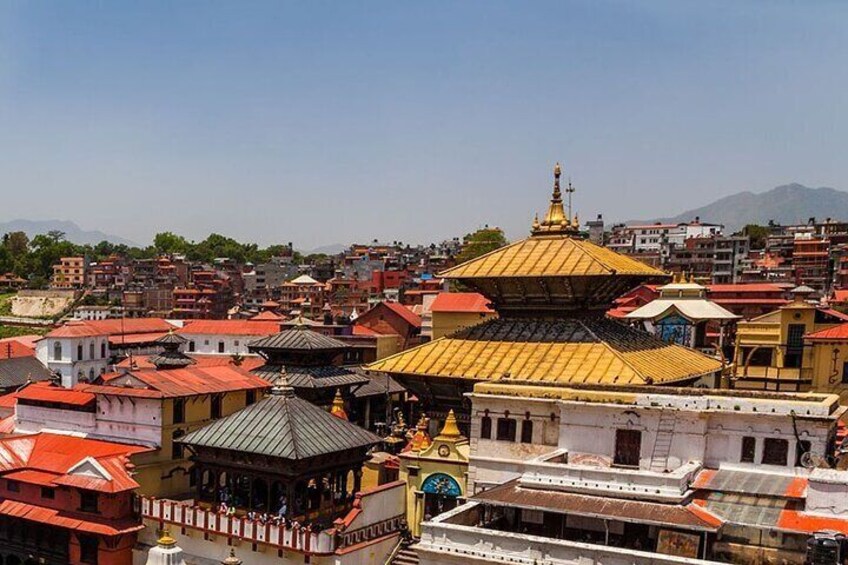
pixel 46 392
pixel 282 426
pixel 70 521
pixel 692 309
pixel 679 516
pixel 746 482
pixel 300 338
pixel 376 386
pixel 313 377
pixel 748 510
pixel 116 326
pixel 551 256
pixel 171 383
pixel 591 350
pixel 473 302
pixel 229 327
pixel 17 371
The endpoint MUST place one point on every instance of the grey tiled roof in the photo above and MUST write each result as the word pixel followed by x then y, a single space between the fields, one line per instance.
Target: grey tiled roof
pixel 297 339
pixel 16 371
pixel 376 386
pixel 313 377
pixel 282 426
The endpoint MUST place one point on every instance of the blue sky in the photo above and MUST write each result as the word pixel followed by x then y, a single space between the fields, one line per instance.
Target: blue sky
pixel 325 122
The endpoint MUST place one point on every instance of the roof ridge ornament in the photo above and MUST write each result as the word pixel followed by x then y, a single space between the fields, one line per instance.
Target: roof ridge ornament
pixel 556 221
pixel 282 387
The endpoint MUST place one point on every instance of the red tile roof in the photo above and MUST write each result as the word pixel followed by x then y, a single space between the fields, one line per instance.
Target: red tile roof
pixel 135 339
pixel 172 383
pixel 363 330
pixel 745 287
pixel 70 521
pixel 46 392
pixel 411 317
pixel 91 328
pixel 266 316
pixel 48 458
pixel 839 332
pixel 11 349
pixel 471 302
pixel 230 327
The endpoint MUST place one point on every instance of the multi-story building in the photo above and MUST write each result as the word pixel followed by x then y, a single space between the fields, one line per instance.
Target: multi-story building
pixel 149 406
pixel 70 272
pixel 303 296
pixel 771 353
pixel 811 262
pixel 653 237
pixel 67 500
pixel 642 476
pixel 83 349
pixel 225 337
pixel 730 255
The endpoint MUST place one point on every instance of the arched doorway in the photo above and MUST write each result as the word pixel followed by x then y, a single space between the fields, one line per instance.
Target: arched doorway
pixel 440 494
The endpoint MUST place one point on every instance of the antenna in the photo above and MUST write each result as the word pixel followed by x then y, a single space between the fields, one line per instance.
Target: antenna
pixel 569 190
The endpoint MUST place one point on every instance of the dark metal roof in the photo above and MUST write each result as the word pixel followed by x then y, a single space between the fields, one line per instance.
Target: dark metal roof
pixel 679 516
pixel 282 426
pixel 17 371
pixel 171 338
pixel 300 338
pixel 376 386
pixel 313 377
pixel 167 359
pixel 587 329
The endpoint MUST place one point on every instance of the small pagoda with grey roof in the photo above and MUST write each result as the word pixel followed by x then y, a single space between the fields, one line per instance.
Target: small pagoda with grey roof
pixel 313 363
pixel 282 451
pixel 171 357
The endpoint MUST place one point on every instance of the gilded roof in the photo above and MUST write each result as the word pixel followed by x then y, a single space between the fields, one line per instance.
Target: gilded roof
pixel 551 256
pixel 569 351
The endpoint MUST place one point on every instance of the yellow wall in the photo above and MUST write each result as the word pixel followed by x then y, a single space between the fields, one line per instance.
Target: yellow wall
pixel 386 345
pixel 828 362
pixel 158 473
pixel 446 323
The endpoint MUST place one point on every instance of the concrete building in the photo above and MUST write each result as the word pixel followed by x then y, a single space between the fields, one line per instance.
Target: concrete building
pixel 225 337
pixel 70 272
pixel 641 476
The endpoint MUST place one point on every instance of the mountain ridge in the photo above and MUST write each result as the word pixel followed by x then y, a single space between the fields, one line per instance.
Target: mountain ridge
pixel 785 204
pixel 73 232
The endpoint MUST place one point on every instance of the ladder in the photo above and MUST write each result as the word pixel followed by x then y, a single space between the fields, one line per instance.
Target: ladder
pixel 662 442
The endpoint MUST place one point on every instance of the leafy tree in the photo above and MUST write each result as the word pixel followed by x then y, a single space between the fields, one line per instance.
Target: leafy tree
pixel 16 243
pixel 757 235
pixel 168 242
pixel 481 242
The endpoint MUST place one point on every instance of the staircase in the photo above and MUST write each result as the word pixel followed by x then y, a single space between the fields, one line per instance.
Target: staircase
pixel 662 442
pixel 404 556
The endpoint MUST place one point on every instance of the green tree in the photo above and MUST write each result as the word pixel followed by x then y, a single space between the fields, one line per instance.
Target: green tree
pixel 481 242
pixel 757 235
pixel 17 243
pixel 169 242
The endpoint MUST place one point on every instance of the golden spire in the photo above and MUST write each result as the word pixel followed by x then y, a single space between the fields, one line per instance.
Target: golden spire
pixel 338 409
pixel 421 440
pixel 555 220
pixel 536 225
pixel 165 539
pixel 450 429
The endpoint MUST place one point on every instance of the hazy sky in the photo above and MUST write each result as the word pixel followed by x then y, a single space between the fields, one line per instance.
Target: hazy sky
pixel 326 122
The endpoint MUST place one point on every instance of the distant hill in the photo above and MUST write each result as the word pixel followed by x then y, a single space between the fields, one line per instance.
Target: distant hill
pixel 332 249
pixel 787 204
pixel 73 232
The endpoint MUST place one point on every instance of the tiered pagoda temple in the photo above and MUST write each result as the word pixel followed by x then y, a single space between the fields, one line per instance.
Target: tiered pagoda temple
pixel 551 291
pixel 312 362
pixel 282 451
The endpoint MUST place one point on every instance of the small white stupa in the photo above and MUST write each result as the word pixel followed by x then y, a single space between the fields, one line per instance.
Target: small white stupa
pixel 166 552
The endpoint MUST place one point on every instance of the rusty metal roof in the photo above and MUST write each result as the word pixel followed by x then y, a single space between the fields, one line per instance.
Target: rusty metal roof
pixel 678 516
pixel 745 482
pixel 330 376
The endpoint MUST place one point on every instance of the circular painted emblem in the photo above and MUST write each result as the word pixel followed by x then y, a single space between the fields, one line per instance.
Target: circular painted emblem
pixel 444 450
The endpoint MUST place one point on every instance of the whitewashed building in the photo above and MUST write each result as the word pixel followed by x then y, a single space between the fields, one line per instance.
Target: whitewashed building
pixel 648 475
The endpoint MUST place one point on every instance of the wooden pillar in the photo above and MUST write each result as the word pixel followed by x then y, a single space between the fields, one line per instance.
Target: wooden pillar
pixel 357 480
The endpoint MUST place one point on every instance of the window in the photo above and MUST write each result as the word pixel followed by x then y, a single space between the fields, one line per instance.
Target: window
pixel 88 549
pixel 48 493
pixel 845 372
pixel 486 426
pixel 88 501
pixel 79 352
pixel 179 411
pixel 527 431
pixel 220 347
pixel 215 409
pixel 249 397
pixel 13 486
pixel 801 448
pixel 191 346
pixel 57 351
pixel 91 350
pixel 775 451
pixel 749 449
pixel 628 447
pixel 103 350
pixel 177 451
pixel 506 429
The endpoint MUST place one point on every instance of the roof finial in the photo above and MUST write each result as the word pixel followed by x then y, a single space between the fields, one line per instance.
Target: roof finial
pixel 338 409
pixel 165 539
pixel 231 559
pixel 555 220
pixel 281 385
pixel 450 429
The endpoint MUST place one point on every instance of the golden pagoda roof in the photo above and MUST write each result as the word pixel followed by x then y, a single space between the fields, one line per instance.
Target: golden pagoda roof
pixel 551 256
pixel 571 351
